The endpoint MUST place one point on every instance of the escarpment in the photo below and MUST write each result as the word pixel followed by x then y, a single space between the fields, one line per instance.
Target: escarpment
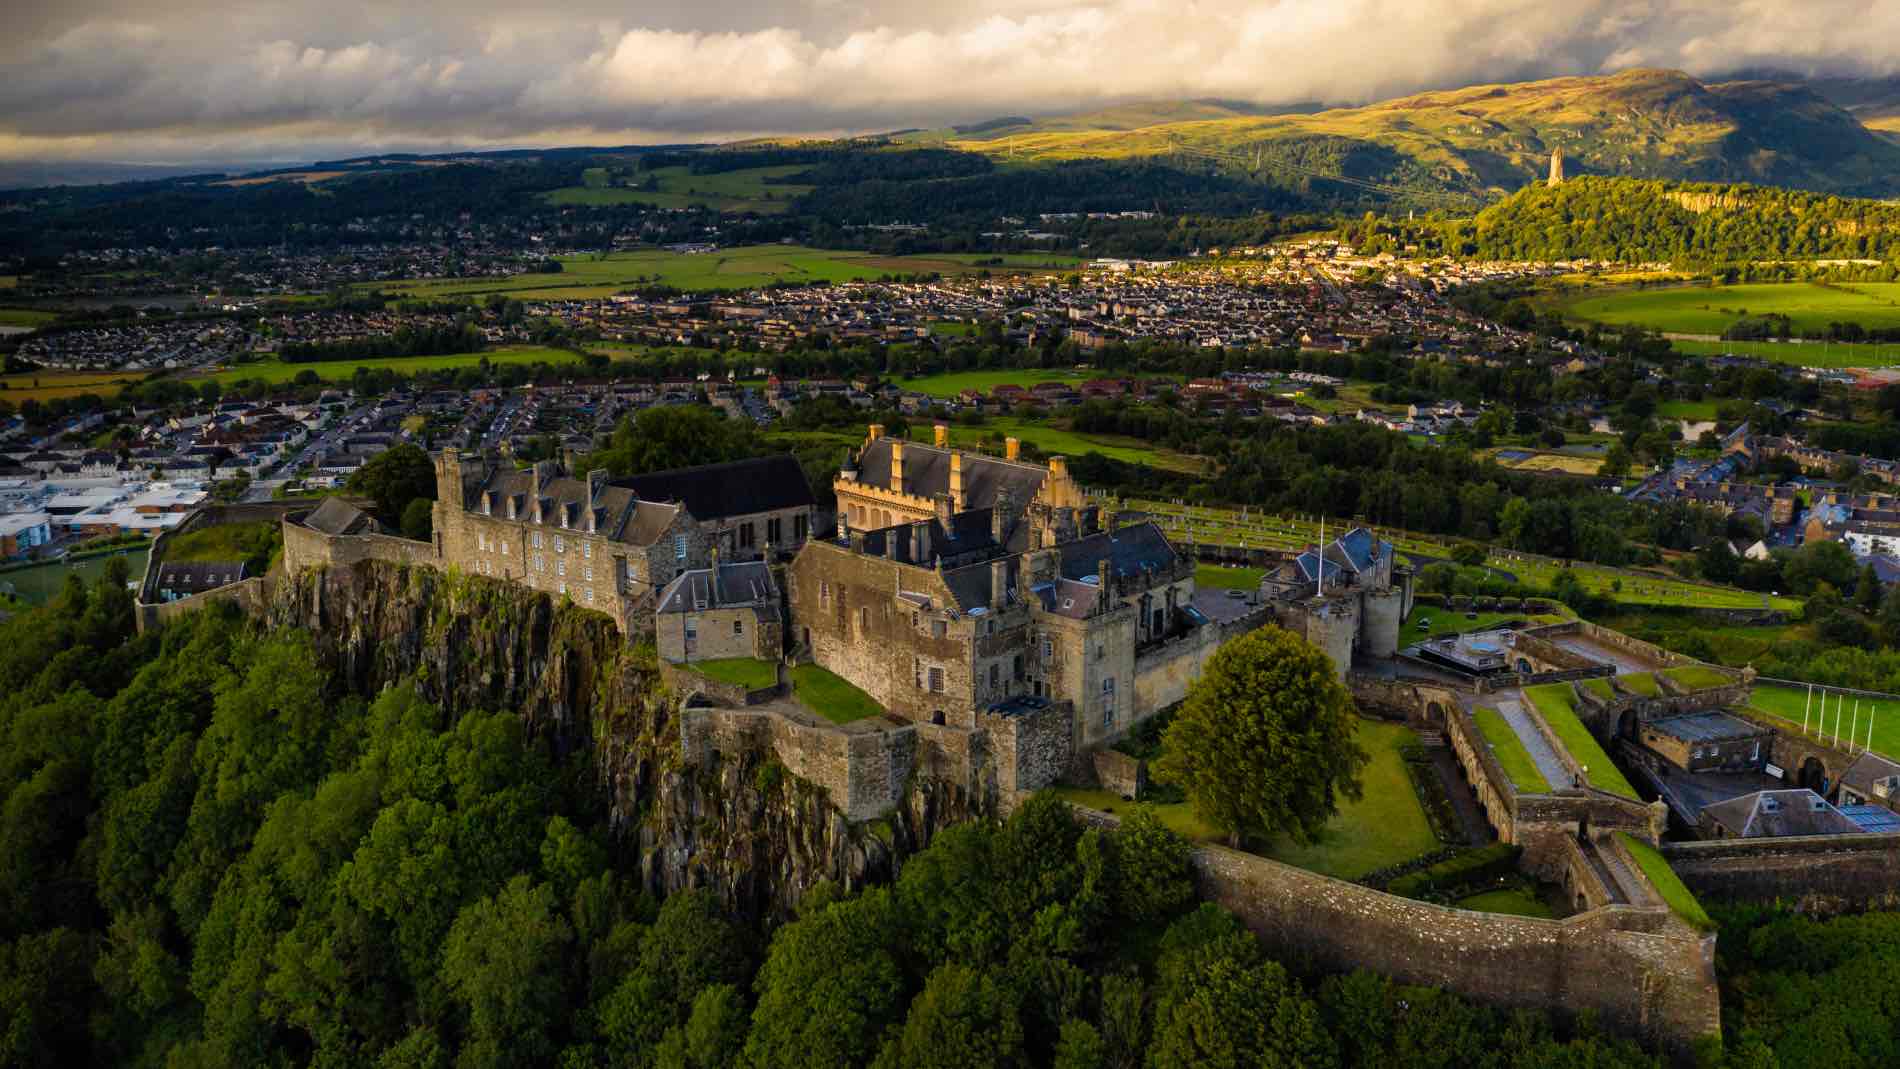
pixel 733 820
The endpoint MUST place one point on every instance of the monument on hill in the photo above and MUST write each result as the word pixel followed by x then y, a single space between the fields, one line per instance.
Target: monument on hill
pixel 1556 167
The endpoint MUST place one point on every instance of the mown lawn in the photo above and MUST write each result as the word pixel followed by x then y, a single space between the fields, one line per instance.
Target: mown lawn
pixel 1441 621
pixel 1669 885
pixel 830 696
pixel 1696 676
pixel 1178 817
pixel 1879 718
pixel 1218 577
pixel 748 672
pixel 275 371
pixel 255 543
pixel 1553 701
pixel 37 584
pixel 1641 683
pixel 1797 354
pixel 1056 441
pixel 1510 752
pixel 1515 901
pixel 1386 826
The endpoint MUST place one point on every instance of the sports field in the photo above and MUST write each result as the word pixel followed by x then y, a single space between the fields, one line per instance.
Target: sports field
pixel 50 385
pixel 1797 354
pixel 36 584
pixel 274 371
pixel 1878 717
pixel 1713 309
pixel 730 191
pixel 739 267
pixel 952 383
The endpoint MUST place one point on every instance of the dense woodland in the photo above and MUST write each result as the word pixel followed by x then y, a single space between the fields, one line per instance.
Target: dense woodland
pixel 215 854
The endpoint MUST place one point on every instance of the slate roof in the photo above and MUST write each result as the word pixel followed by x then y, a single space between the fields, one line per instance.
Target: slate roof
pixel 748 583
pixel 1867 770
pixel 1766 814
pixel 623 517
pixel 968 533
pixel 1132 550
pixel 927 474
pixel 196 577
pixel 971 585
pixel 336 516
pixel 1356 550
pixel 735 488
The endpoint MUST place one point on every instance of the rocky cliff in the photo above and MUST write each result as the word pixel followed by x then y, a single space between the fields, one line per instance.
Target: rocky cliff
pixel 736 823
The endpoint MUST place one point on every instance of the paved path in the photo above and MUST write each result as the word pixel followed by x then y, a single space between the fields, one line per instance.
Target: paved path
pixel 1476 829
pixel 1601 653
pixel 1541 753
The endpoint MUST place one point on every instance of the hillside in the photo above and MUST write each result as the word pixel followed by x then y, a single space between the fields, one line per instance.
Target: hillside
pixel 1487 140
pixel 1634 221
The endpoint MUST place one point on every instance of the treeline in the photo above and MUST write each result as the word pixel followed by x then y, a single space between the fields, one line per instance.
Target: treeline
pixel 1630 221
pixel 425 340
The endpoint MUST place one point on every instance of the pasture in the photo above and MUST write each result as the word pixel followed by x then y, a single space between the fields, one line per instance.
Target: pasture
pixel 732 191
pixel 1797 353
pixel 1875 726
pixel 1713 309
pixel 51 385
pixel 1053 440
pixel 736 268
pixel 952 383
pixel 275 371
pixel 26 317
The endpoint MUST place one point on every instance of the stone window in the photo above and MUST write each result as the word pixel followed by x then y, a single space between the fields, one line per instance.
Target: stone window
pixel 738 627
pixel 1108 702
pixel 916 619
pixel 936 681
pixel 1048 648
pixel 775 530
pixel 692 631
pixel 560 567
pixel 996 673
pixel 917 672
pixel 864 619
pixel 824 593
pixel 504 549
pixel 560 544
pixel 679 547
pixel 590 595
pixel 937 628
pixel 587 550
pixel 1100 651
pixel 798 527
pixel 537 539
pixel 563 587
pixel 746 535
pixel 587 572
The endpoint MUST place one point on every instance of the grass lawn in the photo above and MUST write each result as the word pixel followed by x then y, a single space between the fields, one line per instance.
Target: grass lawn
pixel 225 542
pixel 1053 440
pixel 275 371
pixel 39 583
pixel 1713 309
pixel 1601 688
pixel 1217 577
pixel 1789 703
pixel 830 696
pixel 26 317
pixel 50 385
pixel 1515 901
pixel 1641 683
pixel 1553 700
pixel 1797 354
pixel 1178 817
pixel 1386 826
pixel 748 672
pixel 952 383
pixel 1510 752
pixel 1694 411
pixel 1697 676
pixel 1446 622
pixel 1667 883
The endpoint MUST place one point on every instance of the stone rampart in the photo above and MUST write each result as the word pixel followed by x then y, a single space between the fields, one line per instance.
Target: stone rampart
pixel 1120 774
pixel 682 680
pixel 864 772
pixel 150 610
pixel 306 548
pixel 1164 672
pixel 1822 873
pixel 1031 748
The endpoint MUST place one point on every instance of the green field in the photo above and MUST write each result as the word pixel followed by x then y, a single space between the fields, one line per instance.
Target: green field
pixel 276 371
pixel 1553 701
pixel 1713 309
pixel 1217 577
pixel 739 267
pixel 1178 817
pixel 25 317
pixel 730 191
pixel 1641 683
pixel 952 383
pixel 748 672
pixel 1510 752
pixel 1697 676
pixel 1789 703
pixel 1797 354
pixel 49 385
pixel 1386 826
pixel 1446 622
pixel 1693 411
pixel 1054 441
pixel 1513 900
pixel 36 584
pixel 831 696
pixel 1667 884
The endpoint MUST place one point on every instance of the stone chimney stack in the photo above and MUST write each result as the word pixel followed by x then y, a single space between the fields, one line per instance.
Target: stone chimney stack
pixel 712 579
pixel 956 479
pixel 941 436
pixel 999 584
pixel 1012 449
pixel 999 516
pixel 1103 576
pixel 897 466
pixel 944 510
pixel 877 431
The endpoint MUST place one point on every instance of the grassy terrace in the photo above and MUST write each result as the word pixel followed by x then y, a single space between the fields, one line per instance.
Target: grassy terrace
pixel 1052 439
pixel 1216 577
pixel 830 696
pixel 1601 688
pixel 1178 817
pixel 1515 901
pixel 1641 683
pixel 748 672
pixel 1696 676
pixel 276 371
pixel 1667 883
pixel 1510 752
pixel 1787 704
pixel 37 584
pixel 1553 701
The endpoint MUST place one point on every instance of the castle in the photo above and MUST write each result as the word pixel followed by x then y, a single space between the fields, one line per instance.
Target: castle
pixel 1345 596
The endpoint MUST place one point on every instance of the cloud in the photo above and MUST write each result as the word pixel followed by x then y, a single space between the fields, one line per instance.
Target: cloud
pixel 108 78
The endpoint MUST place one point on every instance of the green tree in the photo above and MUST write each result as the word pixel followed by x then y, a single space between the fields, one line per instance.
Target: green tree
pixel 676 436
pixel 829 988
pixel 502 961
pixel 1718 561
pixel 393 478
pixel 418 519
pixel 1154 873
pixel 1265 740
pixel 962 1018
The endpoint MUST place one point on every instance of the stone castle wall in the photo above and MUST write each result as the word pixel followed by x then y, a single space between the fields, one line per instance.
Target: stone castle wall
pixel 1821 873
pixel 1164 673
pixel 865 773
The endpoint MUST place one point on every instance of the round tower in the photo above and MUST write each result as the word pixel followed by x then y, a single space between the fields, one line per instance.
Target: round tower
pixel 1331 624
pixel 1381 621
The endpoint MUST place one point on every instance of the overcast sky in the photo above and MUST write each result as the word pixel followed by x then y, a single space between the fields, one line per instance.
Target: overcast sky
pixel 182 80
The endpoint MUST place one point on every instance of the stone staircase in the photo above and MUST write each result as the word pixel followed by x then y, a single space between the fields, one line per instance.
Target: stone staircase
pixel 1432 739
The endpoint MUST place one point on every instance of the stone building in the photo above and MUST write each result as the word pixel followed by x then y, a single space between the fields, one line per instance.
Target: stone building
pixel 1707 741
pixel 742 506
pixel 1026 595
pixel 587 539
pixel 725 610
pixel 1774 814
pixel 1345 597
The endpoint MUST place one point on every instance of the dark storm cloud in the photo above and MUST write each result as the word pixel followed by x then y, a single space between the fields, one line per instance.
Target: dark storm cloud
pixel 109 78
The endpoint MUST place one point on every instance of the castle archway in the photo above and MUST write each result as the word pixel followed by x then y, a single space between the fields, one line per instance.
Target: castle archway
pixel 1435 714
pixel 1524 666
pixel 1813 775
pixel 1626 724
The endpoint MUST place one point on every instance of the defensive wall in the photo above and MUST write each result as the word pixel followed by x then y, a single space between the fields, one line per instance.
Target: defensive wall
pixel 151 610
pixel 1164 672
pixel 1638 967
pixel 1819 873
pixel 683 681
pixel 308 548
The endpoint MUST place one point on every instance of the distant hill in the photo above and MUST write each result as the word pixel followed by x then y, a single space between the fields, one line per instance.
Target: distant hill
pixel 1689 224
pixel 1484 141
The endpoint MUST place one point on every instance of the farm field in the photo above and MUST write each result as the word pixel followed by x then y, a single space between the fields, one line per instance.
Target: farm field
pixel 1562 462
pixel 731 191
pixel 37 584
pixel 275 371
pixel 739 267
pixel 50 385
pixel 1789 703
pixel 1054 440
pixel 1797 354
pixel 952 383
pixel 1713 309
pixel 25 317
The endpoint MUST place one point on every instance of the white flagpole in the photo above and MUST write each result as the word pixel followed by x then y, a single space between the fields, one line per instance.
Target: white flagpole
pixel 1853 732
pixel 1805 709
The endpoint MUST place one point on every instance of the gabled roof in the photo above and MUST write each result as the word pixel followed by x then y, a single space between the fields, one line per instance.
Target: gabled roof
pixel 336 516
pixel 1136 549
pixel 1767 814
pixel 742 585
pixel 927 474
pixel 193 577
pixel 735 488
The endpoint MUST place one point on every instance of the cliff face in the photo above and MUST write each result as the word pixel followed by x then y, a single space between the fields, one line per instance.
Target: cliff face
pixel 736 823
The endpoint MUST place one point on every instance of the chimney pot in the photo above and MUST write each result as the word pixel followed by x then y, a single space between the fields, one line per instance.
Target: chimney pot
pixel 1012 449
pixel 941 436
